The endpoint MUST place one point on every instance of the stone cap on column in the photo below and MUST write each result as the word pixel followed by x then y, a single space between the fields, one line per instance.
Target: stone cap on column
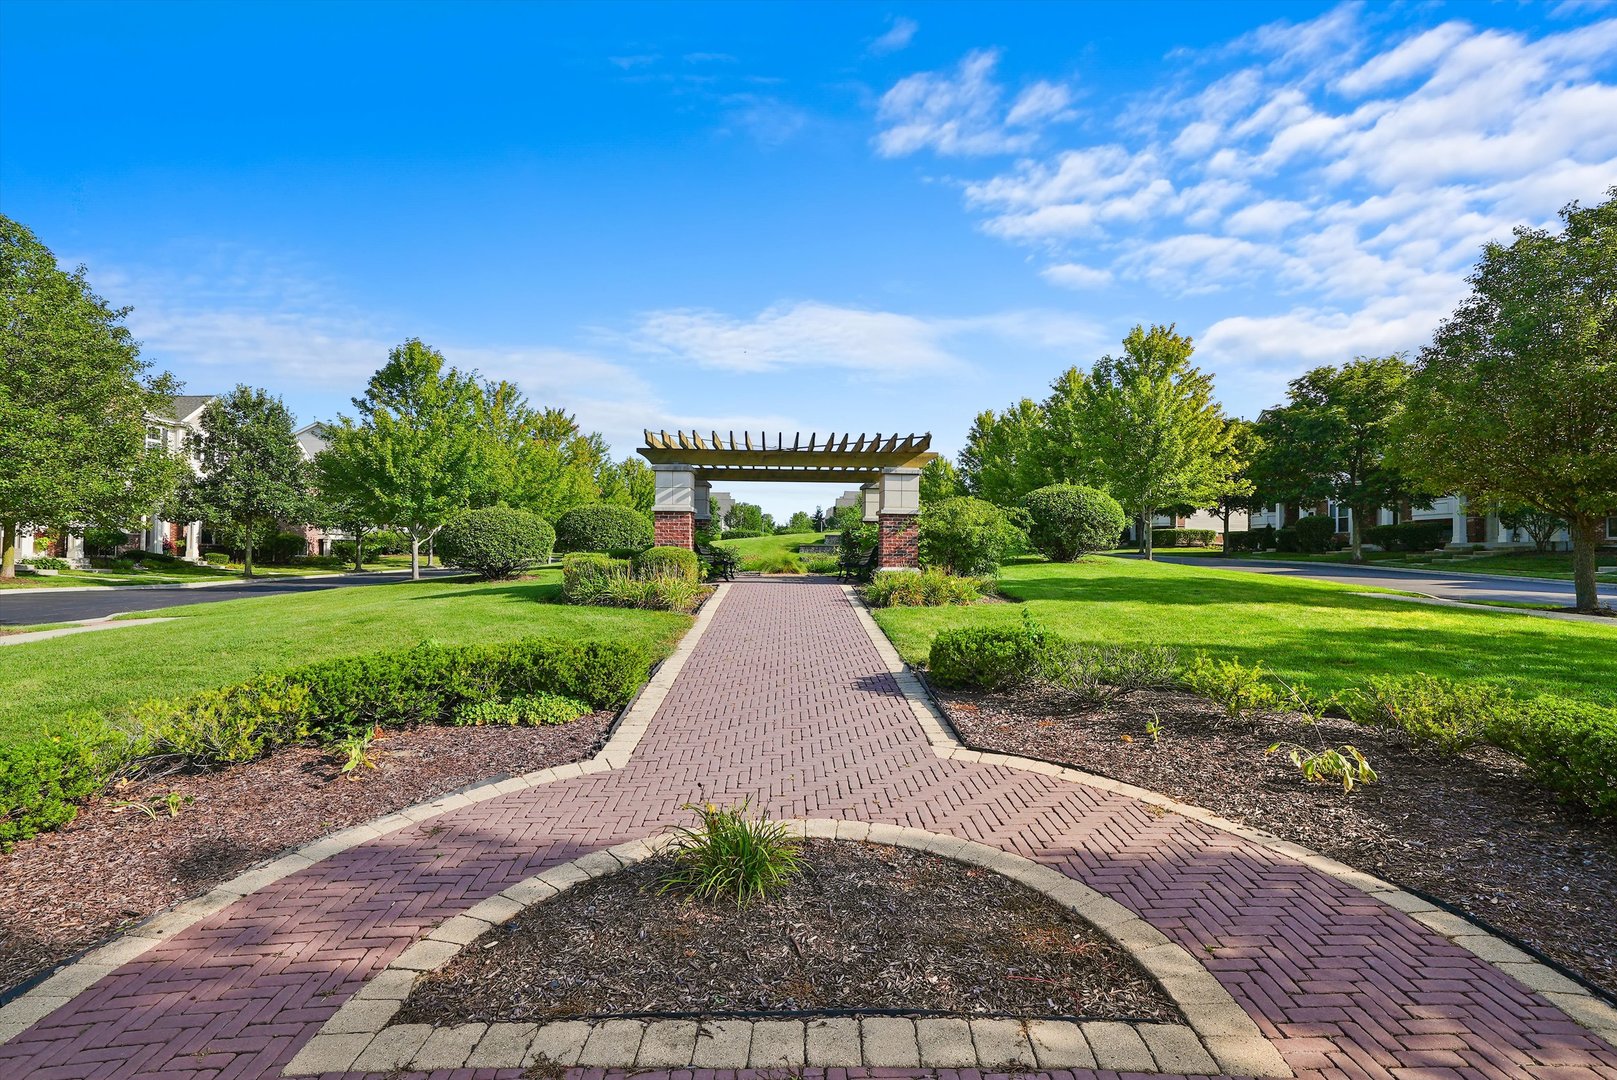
pixel 676 488
pixel 900 491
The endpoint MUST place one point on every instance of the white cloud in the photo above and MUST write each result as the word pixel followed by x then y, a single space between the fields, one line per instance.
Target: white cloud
pixel 1349 174
pixel 961 113
pixel 1076 276
pixel 897 36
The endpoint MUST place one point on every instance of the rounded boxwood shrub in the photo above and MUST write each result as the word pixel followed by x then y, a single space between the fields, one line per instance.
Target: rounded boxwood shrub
pixel 602 527
pixel 497 542
pixel 994 657
pixel 1316 534
pixel 666 562
pixel 1068 521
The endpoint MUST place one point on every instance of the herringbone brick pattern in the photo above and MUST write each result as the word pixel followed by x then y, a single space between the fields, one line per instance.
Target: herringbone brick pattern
pixel 786 701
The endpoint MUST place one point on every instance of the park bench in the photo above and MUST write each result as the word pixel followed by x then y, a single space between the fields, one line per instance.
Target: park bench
pixel 858 565
pixel 718 562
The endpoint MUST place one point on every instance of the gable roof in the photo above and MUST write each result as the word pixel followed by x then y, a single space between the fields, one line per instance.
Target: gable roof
pixel 184 405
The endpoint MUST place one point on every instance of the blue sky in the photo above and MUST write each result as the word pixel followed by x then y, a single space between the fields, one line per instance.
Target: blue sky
pixel 817 217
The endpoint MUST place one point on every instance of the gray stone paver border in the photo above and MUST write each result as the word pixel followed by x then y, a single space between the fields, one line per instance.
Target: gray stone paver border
pixel 1220 1035
pixel 77 976
pixel 1572 998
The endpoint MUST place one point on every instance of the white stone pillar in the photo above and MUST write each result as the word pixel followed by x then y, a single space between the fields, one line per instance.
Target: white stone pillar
pixel 1459 537
pixel 73 549
pixel 704 506
pixel 154 535
pixel 193 541
pixel 872 497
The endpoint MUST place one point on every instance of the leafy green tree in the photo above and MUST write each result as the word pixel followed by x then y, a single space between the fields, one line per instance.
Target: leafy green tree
pixel 940 481
pixel 1062 444
pixel 1239 494
pixel 1333 440
pixel 1515 399
pixel 964 535
pixel 1159 436
pixel 252 475
pixel 629 482
pixel 411 457
pixel 533 458
pixel 746 516
pixel 1001 460
pixel 74 401
pixel 799 522
pixel 818 520
pixel 1539 526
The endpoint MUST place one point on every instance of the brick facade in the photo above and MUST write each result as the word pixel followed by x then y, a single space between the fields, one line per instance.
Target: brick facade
pixel 674 528
pixel 900 542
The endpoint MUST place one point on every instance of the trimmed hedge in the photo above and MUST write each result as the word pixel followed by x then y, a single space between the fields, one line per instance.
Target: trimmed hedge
pixel 1172 538
pixel 1068 521
pixel 929 588
pixel 43 781
pixel 666 562
pixel 994 657
pixel 603 527
pixel 1410 535
pixel 741 534
pixel 1252 539
pixel 497 542
pixel 1316 534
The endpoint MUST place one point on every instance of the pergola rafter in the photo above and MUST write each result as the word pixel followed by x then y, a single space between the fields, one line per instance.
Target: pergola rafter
pixel 803 459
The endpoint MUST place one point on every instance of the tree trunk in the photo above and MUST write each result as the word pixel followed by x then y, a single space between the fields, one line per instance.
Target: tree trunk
pixel 359 550
pixel 247 559
pixel 415 557
pixel 8 550
pixel 1355 538
pixel 1226 530
pixel 1145 535
pixel 1585 530
pixel 429 551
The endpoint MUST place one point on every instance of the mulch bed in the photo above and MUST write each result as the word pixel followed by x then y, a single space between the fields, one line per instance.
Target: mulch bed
pixel 66 890
pixel 1472 830
pixel 865 928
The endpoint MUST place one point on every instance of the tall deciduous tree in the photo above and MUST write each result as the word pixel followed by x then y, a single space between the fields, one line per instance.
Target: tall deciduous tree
pixel 412 455
pixel 1000 462
pixel 534 459
pixel 1239 494
pixel 747 516
pixel 940 481
pixel 74 397
pixel 1515 399
pixel 629 482
pixel 1063 445
pixel 1333 440
pixel 252 473
pixel 1160 438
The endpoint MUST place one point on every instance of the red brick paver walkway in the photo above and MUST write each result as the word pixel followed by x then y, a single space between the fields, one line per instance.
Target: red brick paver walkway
pixel 786 700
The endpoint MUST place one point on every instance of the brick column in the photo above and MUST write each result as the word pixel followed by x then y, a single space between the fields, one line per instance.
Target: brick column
pixel 673 512
pixel 900 542
pixel 673 528
pixel 900 530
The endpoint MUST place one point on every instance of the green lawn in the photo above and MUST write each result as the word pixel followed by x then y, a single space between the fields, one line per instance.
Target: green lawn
pixel 1551 564
pixel 754 551
pixel 222 643
pixel 1316 631
pixel 189 573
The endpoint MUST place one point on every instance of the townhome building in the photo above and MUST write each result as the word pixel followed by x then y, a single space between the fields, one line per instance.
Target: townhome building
pixel 1468 527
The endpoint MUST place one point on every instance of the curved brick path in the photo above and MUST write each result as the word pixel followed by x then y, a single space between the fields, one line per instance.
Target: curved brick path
pixel 786 700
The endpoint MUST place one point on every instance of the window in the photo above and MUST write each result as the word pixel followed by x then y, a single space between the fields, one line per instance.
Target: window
pixel 1611 527
pixel 1343 516
pixel 154 437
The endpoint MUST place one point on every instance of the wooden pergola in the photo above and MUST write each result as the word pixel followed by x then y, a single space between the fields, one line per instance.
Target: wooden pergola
pixel 886 466
pixel 836 459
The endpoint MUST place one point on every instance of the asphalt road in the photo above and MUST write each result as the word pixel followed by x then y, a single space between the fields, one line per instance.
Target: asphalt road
pixel 1445 586
pixel 31 607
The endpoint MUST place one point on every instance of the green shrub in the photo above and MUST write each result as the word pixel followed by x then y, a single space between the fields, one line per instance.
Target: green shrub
pixel 497 542
pixel 586 574
pixel 1068 521
pixel 524 709
pixel 1440 712
pixel 822 564
pixel 1569 746
pixel 215 558
pixel 1409 535
pixel 1172 538
pixel 1316 533
pixel 280 548
pixel 43 780
pixel 996 657
pixel 46 562
pixel 1238 688
pixel 603 527
pixel 387 542
pixel 929 588
pixel 741 534
pixel 1286 539
pixel 104 542
pixel 228 726
pixel 666 562
pixel 964 535
pixel 731 854
pixel 1253 539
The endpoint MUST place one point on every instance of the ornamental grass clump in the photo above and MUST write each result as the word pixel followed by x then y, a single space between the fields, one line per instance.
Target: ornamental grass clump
pixel 732 854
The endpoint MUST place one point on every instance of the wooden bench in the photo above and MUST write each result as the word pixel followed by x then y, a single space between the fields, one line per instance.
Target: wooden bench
pixel 858 565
